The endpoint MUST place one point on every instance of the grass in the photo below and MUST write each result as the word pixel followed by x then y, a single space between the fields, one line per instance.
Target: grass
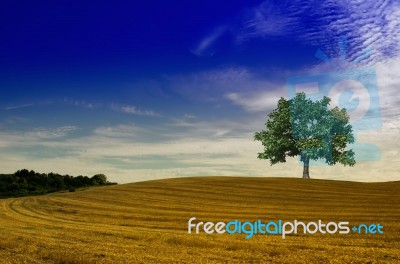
pixel 146 222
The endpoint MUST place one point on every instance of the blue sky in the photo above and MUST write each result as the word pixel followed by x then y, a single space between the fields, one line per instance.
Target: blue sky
pixel 150 89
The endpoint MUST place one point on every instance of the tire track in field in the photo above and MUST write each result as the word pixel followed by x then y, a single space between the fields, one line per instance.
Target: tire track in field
pixel 22 213
pixel 62 228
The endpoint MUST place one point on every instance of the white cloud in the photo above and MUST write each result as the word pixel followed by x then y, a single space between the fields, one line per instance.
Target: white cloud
pixel 51 133
pixel 204 48
pixel 372 25
pixel 388 85
pixel 217 85
pixel 129 109
pixel 81 103
pixel 214 129
pixel 14 107
pixel 120 131
pixel 267 20
pixel 189 116
pixel 263 101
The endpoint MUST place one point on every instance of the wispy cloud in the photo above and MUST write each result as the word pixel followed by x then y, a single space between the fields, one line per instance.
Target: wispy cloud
pixel 129 109
pixel 372 25
pixel 189 116
pixel 261 101
pixel 213 129
pixel 268 19
pixel 252 90
pixel 51 133
pixel 213 85
pixel 65 101
pixel 14 107
pixel 205 46
pixel 81 103
pixel 120 131
pixel 388 84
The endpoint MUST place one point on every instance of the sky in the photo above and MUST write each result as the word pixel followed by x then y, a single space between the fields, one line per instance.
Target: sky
pixel 142 90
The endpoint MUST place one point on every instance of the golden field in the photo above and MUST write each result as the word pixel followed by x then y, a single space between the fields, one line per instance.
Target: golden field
pixel 146 222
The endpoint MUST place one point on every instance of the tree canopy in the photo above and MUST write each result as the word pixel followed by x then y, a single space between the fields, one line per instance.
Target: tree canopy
pixel 309 129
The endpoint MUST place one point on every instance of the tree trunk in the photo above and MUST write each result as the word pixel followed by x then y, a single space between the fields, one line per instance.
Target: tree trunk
pixel 306 171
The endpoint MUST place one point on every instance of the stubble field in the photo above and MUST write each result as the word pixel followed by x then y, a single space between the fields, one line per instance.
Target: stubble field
pixel 146 222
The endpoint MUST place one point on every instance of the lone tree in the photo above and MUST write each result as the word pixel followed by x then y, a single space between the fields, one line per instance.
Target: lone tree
pixel 307 128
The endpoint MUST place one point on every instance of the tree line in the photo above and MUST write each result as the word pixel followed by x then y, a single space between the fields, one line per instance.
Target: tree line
pixel 25 182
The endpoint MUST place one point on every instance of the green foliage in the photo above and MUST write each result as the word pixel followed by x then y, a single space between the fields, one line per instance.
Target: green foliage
pixel 99 179
pixel 24 182
pixel 307 128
